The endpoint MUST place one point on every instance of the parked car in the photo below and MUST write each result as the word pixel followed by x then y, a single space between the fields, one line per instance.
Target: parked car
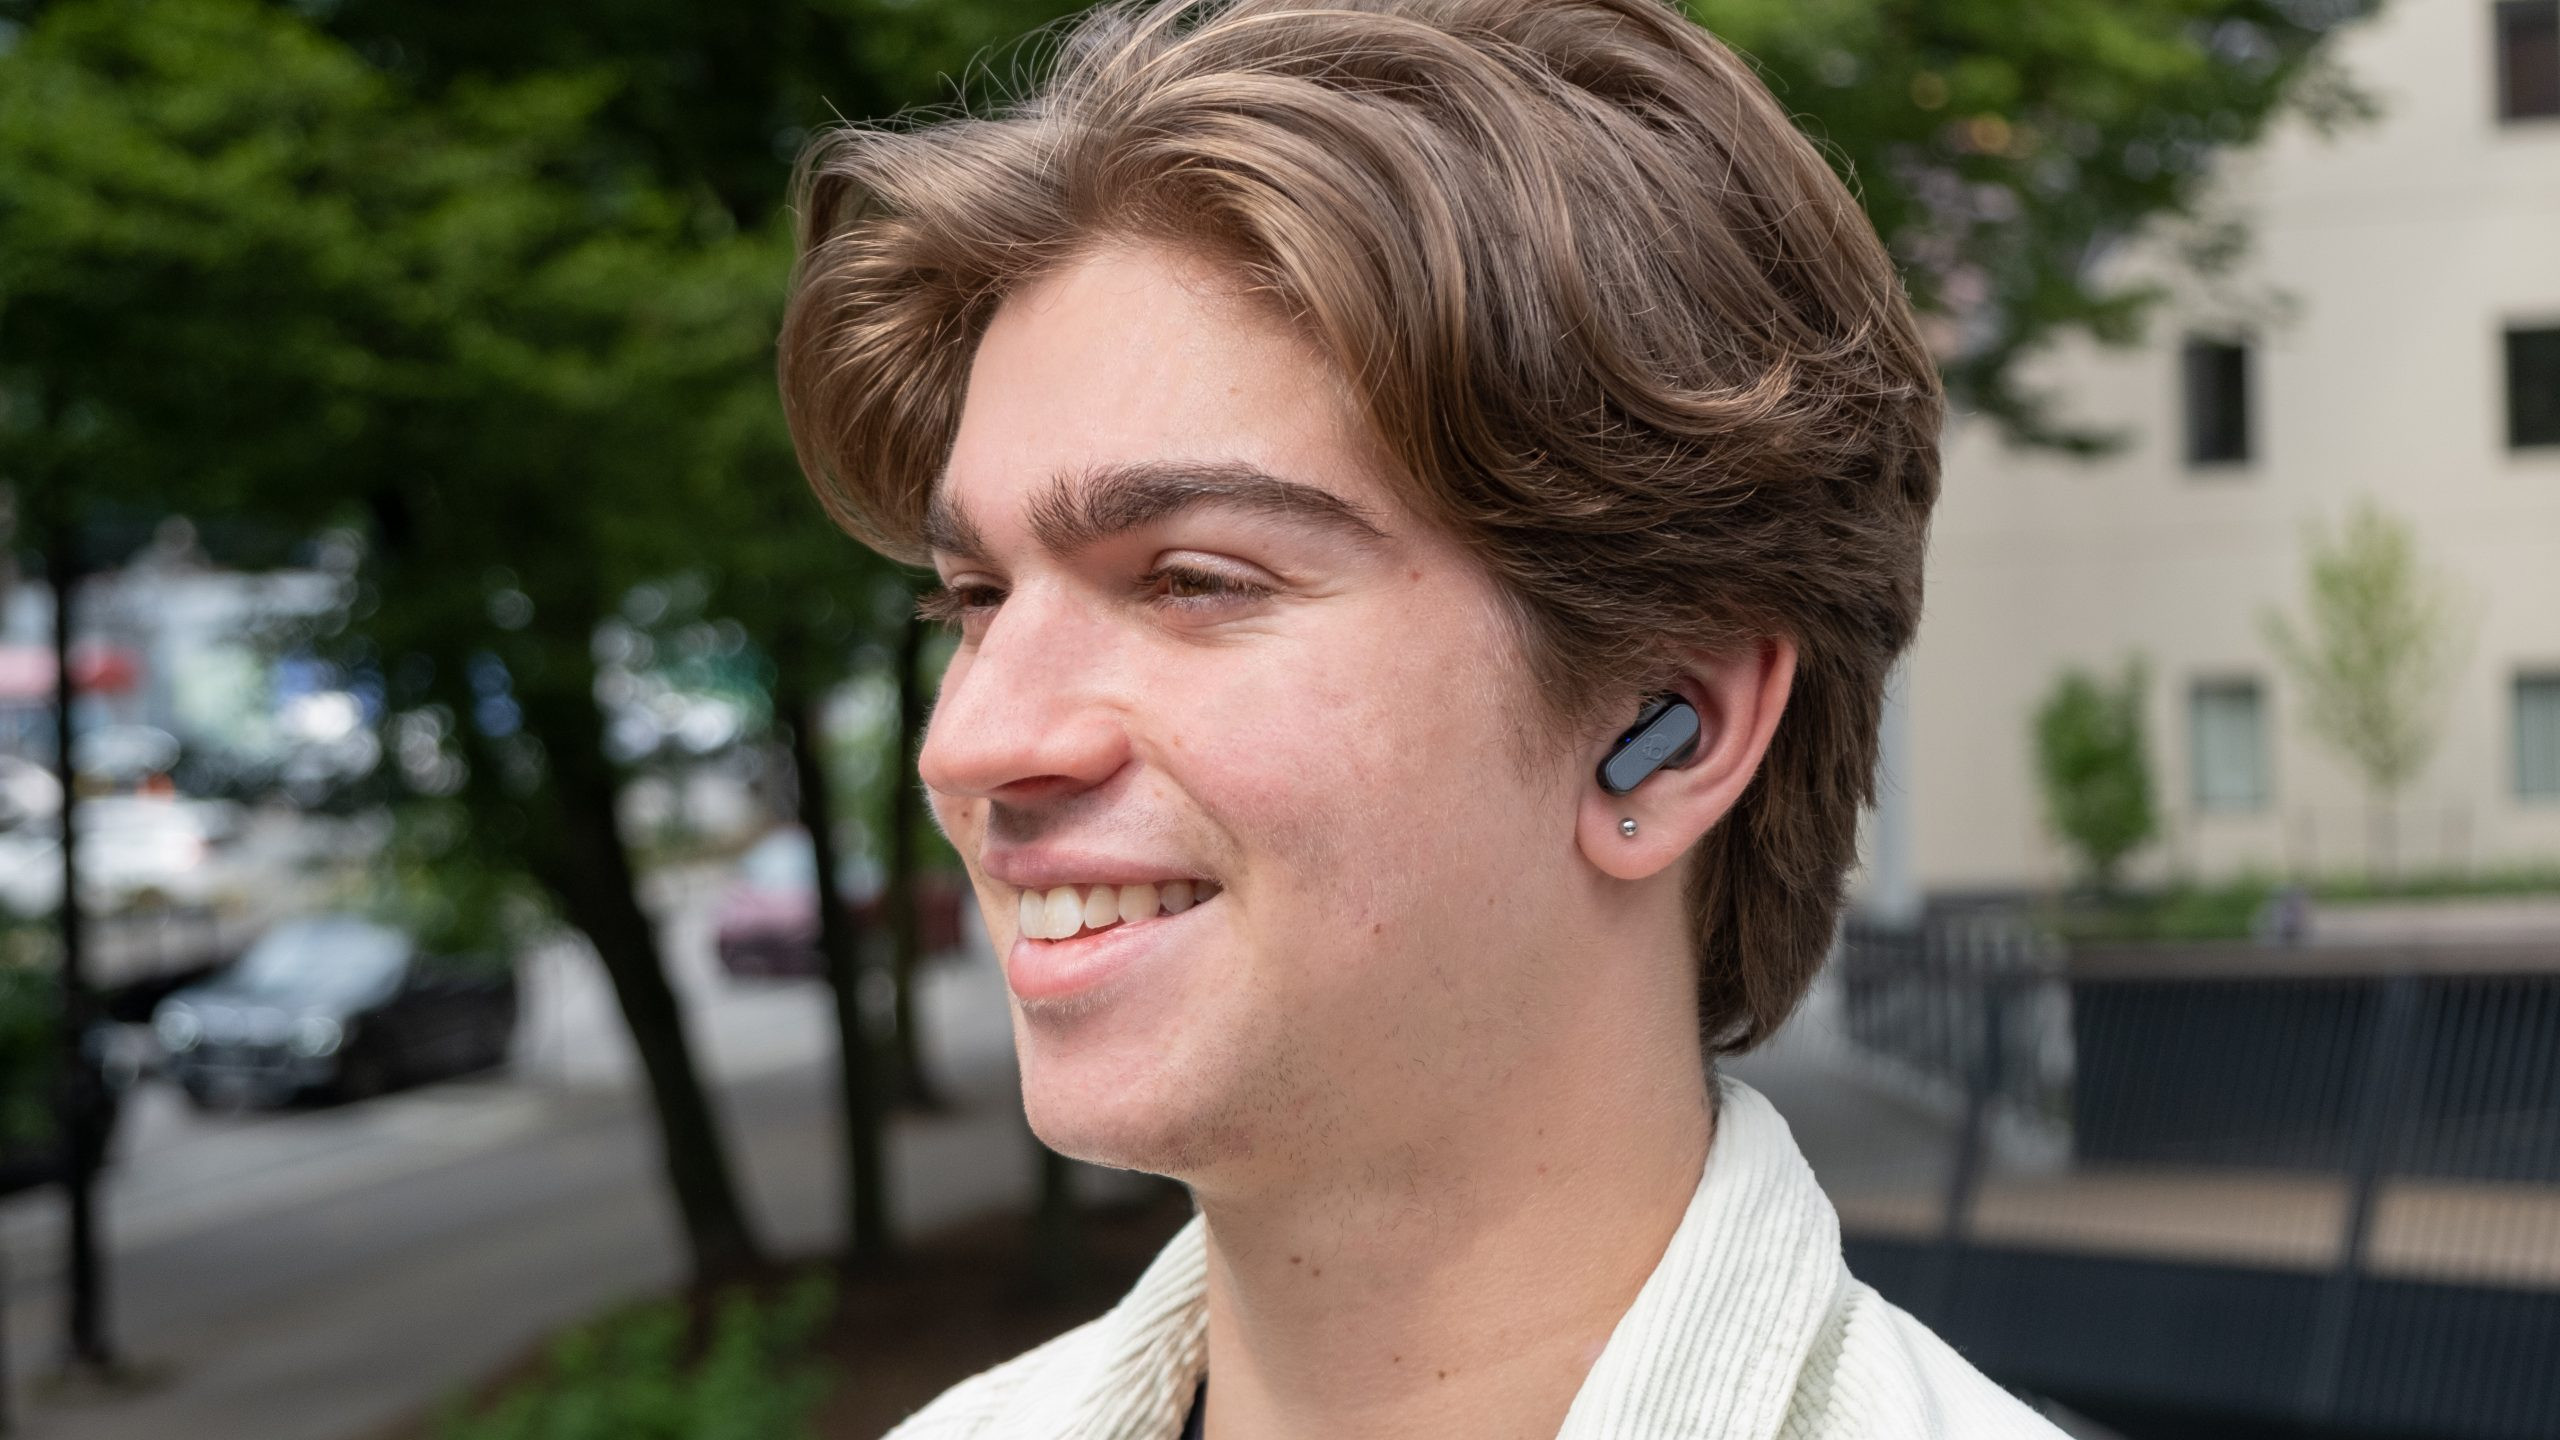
pixel 338 1005
pixel 766 921
pixel 28 791
pixel 135 851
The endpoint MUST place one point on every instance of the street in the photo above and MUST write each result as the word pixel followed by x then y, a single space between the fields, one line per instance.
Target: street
pixel 315 1274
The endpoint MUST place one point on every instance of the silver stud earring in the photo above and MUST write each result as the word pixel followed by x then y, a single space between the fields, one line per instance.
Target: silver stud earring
pixel 1627 827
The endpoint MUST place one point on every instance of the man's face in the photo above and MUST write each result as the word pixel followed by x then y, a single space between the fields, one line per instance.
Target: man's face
pixel 1204 644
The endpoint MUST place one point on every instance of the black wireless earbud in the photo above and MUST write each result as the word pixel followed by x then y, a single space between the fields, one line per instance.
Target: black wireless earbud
pixel 1665 733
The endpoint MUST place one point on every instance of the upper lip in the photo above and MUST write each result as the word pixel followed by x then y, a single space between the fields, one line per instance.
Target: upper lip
pixel 1027 868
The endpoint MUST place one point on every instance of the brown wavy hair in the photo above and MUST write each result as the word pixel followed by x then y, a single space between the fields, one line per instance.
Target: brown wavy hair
pixel 1632 340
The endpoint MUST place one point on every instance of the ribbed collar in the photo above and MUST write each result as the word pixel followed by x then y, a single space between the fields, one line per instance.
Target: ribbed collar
pixel 1710 1350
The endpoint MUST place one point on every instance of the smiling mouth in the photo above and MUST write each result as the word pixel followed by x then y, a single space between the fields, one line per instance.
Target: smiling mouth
pixel 1068 912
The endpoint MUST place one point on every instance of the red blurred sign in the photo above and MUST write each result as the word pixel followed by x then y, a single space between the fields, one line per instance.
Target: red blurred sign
pixel 27 671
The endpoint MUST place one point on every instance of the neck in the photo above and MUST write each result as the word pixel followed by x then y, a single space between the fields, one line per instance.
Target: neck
pixel 1461 1282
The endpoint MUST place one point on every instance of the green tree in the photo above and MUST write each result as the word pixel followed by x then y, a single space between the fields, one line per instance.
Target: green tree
pixel 245 273
pixel 2094 767
pixel 715 96
pixel 2381 634
pixel 2004 148
pixel 154 254
pixel 713 100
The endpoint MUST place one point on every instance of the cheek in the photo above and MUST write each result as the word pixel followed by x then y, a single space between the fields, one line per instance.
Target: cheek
pixel 1378 783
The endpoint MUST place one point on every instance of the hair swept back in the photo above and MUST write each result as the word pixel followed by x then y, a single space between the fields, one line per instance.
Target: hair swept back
pixel 1632 340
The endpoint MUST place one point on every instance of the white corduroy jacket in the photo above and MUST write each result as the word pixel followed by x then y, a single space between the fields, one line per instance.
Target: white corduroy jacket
pixel 1750 1328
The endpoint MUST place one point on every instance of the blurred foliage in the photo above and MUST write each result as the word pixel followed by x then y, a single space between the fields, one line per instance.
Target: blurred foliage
pixel 638 1376
pixel 2007 148
pixel 165 292
pixel 2094 767
pixel 714 95
pixel 429 882
pixel 2378 643
pixel 862 759
pixel 2226 910
pixel 30 1034
pixel 2236 909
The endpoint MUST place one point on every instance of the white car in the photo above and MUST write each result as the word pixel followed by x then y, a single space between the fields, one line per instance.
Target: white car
pixel 28 791
pixel 134 851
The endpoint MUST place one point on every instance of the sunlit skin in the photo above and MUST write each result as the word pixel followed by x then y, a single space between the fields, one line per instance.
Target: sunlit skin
pixel 1428 1060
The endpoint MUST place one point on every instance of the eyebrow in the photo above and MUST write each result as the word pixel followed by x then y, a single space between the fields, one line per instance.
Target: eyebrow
pixel 1084 508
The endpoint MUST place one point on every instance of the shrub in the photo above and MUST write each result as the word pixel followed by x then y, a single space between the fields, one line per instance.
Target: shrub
pixel 30 1041
pixel 2095 769
pixel 635 1376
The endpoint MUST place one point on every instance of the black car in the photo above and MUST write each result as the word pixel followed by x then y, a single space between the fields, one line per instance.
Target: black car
pixel 337 1005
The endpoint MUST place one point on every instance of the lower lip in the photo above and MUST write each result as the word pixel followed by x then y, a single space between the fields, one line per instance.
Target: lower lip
pixel 1048 970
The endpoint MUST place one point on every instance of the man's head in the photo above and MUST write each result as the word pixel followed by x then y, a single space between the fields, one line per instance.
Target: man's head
pixel 1330 423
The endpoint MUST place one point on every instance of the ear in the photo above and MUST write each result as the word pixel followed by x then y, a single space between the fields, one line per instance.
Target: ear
pixel 1739 696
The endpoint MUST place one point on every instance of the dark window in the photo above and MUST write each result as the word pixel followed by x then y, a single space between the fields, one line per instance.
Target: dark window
pixel 2217 384
pixel 2533 387
pixel 2528 59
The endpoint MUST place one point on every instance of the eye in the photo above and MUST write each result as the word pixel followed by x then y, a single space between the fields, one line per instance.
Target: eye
pixel 1192 587
pixel 1184 590
pixel 964 605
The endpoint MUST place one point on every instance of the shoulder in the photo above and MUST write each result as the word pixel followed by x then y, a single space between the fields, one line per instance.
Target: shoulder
pixel 986 1404
pixel 1875 1373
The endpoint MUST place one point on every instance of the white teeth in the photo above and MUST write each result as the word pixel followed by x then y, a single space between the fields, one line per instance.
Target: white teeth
pixel 1064 911
pixel 1102 906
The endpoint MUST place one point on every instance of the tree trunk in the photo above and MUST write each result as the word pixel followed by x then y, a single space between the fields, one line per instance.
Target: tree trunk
pixel 915 1086
pixel 588 869
pixel 2381 819
pixel 1057 1249
pixel 867 1232
pixel 79 1090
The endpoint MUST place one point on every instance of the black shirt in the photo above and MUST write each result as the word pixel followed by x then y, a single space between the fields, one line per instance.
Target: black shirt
pixel 1199 1402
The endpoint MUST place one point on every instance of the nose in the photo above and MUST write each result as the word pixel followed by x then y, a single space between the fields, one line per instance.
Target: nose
pixel 1028 713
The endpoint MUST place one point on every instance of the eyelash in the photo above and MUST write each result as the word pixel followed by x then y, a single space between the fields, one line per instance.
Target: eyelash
pixel 954 605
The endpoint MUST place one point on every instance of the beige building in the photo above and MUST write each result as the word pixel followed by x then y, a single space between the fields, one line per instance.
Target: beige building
pixel 2395 333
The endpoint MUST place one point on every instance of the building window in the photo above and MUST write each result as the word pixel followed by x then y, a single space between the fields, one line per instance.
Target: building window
pixel 2533 386
pixel 2217 393
pixel 2227 744
pixel 2538 736
pixel 2528 59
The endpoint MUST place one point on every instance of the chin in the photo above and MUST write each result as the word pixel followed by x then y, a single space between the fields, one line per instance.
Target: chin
pixel 1149 1125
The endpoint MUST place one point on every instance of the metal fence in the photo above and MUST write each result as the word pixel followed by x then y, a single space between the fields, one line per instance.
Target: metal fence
pixel 2205 1187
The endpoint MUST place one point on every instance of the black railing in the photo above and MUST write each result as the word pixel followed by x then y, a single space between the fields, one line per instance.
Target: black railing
pixel 2317 1188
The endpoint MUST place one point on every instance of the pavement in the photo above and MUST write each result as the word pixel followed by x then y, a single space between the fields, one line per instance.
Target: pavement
pixel 317 1274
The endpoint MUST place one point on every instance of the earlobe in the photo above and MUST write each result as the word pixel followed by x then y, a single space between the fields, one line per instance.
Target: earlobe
pixel 1669 733
pixel 1680 769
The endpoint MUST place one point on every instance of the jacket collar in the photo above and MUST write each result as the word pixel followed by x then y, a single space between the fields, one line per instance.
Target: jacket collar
pixel 1710 1350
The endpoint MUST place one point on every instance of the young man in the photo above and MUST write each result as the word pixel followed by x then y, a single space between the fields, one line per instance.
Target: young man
pixel 1334 423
